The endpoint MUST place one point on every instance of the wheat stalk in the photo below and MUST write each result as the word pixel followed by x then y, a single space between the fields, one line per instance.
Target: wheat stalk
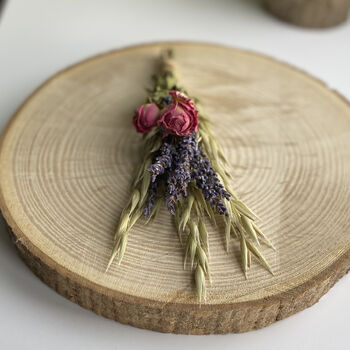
pixel 189 220
pixel 134 209
pixel 240 222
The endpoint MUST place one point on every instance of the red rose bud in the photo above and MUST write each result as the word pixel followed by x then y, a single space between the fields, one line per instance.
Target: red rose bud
pixel 146 117
pixel 180 117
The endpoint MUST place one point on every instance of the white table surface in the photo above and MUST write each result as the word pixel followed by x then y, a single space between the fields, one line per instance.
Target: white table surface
pixel 38 38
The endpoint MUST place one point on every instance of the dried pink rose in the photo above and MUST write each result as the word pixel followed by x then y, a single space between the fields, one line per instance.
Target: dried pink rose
pixel 180 117
pixel 146 117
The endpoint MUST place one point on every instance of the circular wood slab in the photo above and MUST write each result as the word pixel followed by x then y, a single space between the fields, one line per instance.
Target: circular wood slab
pixel 65 164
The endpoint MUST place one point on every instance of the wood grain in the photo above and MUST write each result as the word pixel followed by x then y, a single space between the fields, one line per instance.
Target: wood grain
pixel 65 164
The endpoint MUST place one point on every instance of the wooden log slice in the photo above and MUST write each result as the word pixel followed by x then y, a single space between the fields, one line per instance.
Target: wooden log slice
pixel 67 156
pixel 310 13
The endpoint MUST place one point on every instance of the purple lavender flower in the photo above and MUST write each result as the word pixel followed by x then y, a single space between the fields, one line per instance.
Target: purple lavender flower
pixel 182 164
pixel 180 174
pixel 162 162
pixel 151 199
pixel 208 181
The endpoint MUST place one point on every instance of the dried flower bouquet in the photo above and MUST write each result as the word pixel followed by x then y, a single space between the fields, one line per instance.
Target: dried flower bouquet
pixel 184 166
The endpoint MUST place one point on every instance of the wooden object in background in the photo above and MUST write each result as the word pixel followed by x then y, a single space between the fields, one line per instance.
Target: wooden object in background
pixel 65 165
pixel 310 13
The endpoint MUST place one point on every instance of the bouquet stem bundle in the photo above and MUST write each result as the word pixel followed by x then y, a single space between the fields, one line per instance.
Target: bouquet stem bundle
pixel 189 171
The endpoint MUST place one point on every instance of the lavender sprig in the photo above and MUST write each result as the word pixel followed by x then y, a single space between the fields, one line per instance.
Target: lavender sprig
pixel 207 180
pixel 151 199
pixel 180 174
pixel 162 162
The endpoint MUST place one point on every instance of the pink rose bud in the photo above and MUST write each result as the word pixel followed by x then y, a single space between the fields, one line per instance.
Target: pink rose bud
pixel 180 117
pixel 146 117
